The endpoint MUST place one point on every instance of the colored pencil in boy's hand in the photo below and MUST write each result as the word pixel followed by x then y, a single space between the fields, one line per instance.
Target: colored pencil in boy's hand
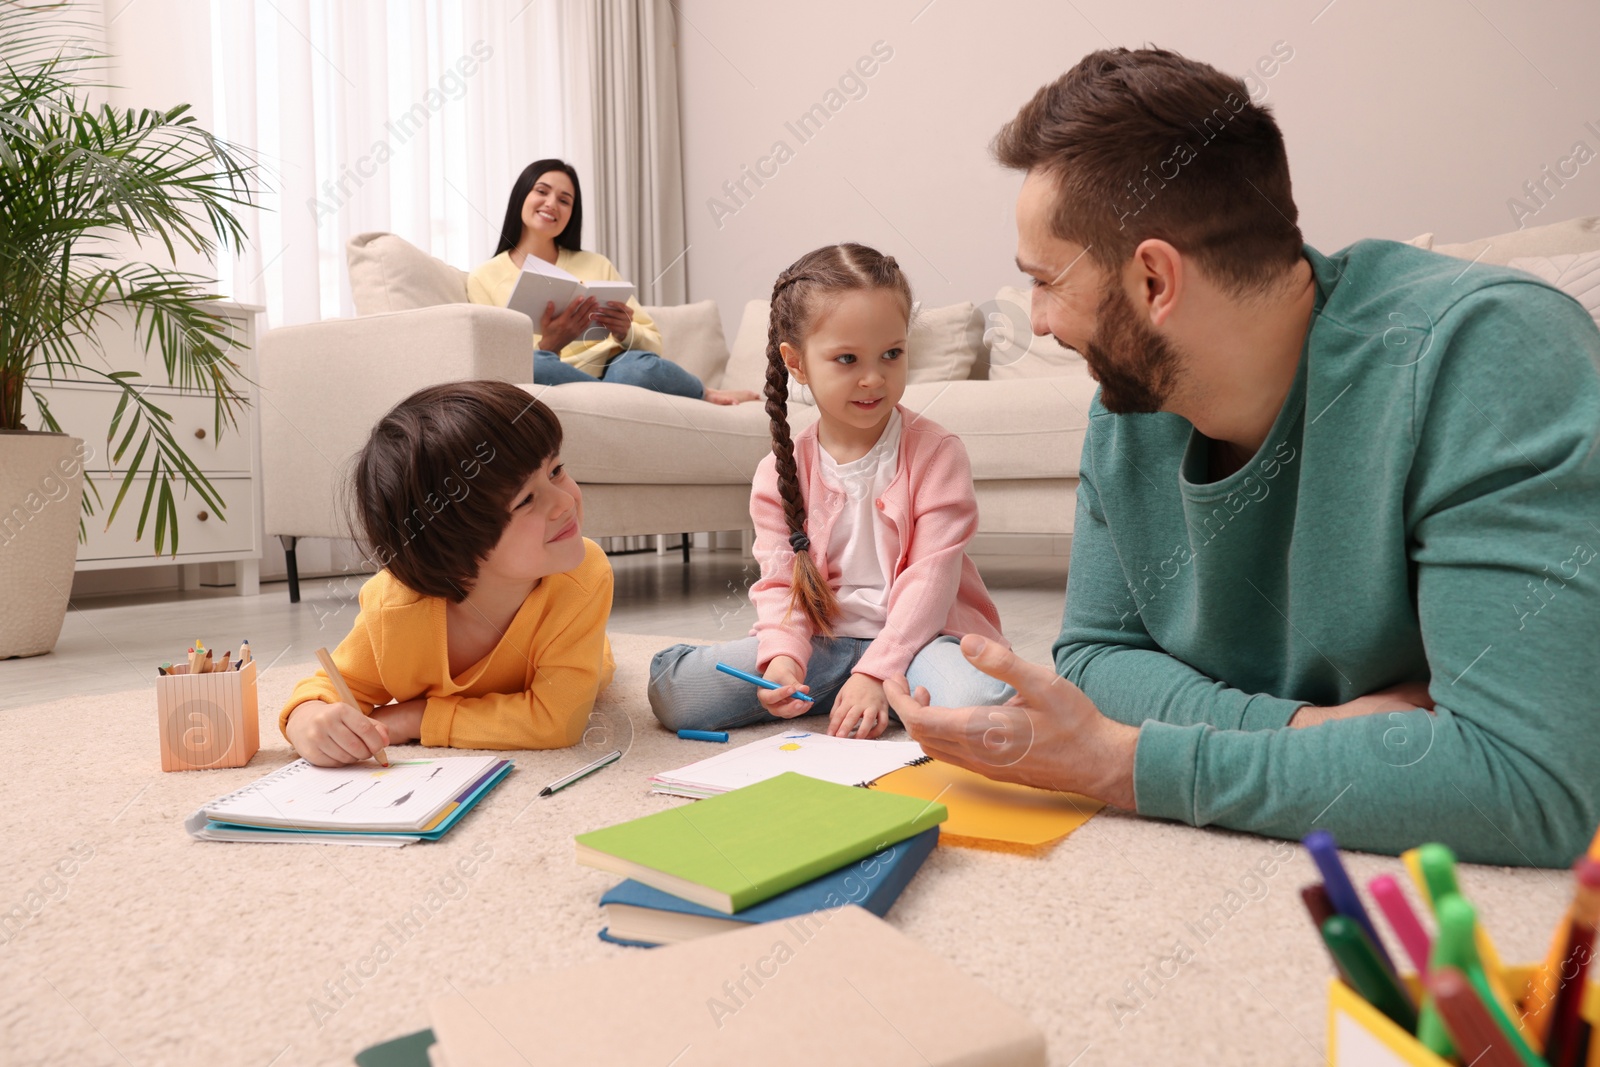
pixel 345 696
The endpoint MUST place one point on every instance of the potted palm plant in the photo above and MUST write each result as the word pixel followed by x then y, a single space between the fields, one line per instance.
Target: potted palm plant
pixel 73 175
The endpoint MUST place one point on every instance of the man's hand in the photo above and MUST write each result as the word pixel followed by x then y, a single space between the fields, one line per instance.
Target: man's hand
pixel 1404 697
pixel 791 676
pixel 332 735
pixel 558 331
pixel 861 709
pixel 1049 735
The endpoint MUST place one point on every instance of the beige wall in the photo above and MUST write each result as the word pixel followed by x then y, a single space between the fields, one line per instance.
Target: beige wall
pixel 1400 119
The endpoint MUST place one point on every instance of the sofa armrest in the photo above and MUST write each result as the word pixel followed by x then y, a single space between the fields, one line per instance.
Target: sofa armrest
pixel 324 385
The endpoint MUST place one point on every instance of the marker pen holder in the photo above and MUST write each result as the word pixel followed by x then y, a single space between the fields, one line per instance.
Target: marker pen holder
pixel 1360 1035
pixel 208 720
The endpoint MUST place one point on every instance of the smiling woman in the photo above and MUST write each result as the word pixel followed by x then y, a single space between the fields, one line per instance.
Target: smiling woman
pixel 586 341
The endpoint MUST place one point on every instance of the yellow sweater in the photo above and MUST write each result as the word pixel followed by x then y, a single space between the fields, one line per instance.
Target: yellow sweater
pixel 492 284
pixel 535 689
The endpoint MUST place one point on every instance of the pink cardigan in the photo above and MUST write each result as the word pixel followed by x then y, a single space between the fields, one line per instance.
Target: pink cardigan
pixel 935 588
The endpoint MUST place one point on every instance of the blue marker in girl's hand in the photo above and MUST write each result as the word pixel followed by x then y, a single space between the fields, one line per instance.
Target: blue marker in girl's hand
pixel 756 680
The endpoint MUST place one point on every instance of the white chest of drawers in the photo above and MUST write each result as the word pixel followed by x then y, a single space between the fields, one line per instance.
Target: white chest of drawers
pixel 231 462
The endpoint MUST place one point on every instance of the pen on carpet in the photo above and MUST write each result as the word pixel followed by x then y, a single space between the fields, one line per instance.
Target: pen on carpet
pixel 561 783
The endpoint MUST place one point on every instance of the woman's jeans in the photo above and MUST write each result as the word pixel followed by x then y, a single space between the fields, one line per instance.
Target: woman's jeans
pixel 687 692
pixel 633 367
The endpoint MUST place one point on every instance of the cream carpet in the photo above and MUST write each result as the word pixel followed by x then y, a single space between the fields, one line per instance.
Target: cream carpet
pixel 125 942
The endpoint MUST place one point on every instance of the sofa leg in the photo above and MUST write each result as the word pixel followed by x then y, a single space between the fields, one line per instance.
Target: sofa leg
pixel 293 566
pixel 686 549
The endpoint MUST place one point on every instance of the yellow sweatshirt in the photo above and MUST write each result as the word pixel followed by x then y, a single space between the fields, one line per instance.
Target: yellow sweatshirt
pixel 493 281
pixel 535 689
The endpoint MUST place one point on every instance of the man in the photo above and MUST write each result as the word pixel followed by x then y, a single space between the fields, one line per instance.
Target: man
pixel 1334 561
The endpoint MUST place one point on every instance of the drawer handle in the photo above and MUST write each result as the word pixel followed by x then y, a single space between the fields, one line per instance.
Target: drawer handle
pixel 203 516
pixel 200 434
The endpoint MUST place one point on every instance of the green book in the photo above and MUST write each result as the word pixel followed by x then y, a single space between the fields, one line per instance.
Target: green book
pixel 737 849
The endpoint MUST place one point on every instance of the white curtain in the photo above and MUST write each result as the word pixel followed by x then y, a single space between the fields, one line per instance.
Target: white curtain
pixel 634 195
pixel 410 117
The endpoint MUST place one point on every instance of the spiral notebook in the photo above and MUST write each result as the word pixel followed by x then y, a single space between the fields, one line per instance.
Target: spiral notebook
pixel 410 800
pixel 841 760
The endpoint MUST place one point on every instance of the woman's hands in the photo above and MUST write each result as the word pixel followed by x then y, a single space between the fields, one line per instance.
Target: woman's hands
pixel 791 676
pixel 558 331
pixel 333 735
pixel 861 709
pixel 617 318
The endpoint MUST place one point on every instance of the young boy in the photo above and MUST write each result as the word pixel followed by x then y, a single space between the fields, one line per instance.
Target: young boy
pixel 487 626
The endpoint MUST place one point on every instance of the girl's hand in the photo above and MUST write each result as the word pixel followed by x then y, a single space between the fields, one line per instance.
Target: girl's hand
pixel 332 735
pixel 780 702
pixel 558 331
pixel 861 708
pixel 617 318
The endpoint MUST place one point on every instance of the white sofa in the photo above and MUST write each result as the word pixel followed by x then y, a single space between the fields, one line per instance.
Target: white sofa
pixel 654 464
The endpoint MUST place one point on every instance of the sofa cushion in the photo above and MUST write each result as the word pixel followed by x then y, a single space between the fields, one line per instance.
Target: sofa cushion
pixel 389 273
pixel 1014 351
pixel 1559 238
pixel 944 345
pixel 1576 275
pixel 1013 429
pixel 622 434
pixel 692 336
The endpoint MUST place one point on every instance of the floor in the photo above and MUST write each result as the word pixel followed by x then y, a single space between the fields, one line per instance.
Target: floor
pixel 114 643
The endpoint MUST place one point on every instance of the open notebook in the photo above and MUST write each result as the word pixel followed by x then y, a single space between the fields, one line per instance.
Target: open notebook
pixel 409 800
pixel 841 760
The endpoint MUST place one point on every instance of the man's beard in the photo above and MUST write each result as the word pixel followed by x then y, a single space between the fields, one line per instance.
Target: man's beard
pixel 1135 365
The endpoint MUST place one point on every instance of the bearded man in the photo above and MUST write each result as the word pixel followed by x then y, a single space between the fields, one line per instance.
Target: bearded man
pixel 1332 563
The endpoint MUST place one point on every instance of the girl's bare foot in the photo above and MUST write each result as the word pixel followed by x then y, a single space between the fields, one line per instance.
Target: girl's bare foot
pixel 729 396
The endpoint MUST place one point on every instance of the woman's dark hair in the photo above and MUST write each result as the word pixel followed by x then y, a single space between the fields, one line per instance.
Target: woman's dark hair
pixel 570 238
pixel 434 483
pixel 1148 144
pixel 829 270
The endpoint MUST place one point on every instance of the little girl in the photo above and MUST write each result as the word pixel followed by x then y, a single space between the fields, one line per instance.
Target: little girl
pixel 861 521
pixel 486 627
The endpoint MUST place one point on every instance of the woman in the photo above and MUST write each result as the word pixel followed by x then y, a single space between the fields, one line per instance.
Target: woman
pixel 544 218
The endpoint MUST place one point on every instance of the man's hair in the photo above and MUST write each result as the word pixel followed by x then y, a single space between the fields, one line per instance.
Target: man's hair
pixel 434 484
pixel 1147 144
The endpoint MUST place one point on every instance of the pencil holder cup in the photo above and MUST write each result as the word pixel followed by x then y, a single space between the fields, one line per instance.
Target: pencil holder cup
pixel 208 720
pixel 1360 1035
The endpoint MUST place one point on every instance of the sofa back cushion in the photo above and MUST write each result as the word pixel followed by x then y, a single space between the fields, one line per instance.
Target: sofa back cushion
pixel 1014 351
pixel 944 345
pixel 389 273
pixel 691 337
pixel 1557 239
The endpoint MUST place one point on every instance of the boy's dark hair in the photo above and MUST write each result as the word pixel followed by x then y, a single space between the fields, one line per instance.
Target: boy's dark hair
pixel 434 483
pixel 1148 144
pixel 570 237
pixel 828 270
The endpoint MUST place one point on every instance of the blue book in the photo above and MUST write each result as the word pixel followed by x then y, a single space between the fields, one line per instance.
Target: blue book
pixel 637 914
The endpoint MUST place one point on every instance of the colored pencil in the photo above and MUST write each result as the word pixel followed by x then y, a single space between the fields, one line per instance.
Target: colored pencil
pixel 1480 1041
pixel 343 691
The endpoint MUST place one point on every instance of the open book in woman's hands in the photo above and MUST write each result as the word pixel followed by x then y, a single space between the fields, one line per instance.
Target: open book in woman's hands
pixel 544 283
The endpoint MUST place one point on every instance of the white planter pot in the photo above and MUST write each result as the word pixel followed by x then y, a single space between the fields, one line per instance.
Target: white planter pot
pixel 41 498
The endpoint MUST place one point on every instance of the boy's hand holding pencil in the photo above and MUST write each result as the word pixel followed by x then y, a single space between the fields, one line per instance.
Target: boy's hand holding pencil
pixel 332 735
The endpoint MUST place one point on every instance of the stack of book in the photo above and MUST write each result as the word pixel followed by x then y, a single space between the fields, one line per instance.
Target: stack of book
pixel 781 848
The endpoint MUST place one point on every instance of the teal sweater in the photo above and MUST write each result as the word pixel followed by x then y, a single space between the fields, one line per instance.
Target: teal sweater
pixel 1425 507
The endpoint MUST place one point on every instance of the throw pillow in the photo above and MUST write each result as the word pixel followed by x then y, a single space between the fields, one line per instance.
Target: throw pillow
pixel 1014 351
pixel 1576 275
pixel 691 336
pixel 389 273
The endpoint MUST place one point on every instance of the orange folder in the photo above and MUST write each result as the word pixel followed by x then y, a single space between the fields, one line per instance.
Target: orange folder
pixel 983 810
